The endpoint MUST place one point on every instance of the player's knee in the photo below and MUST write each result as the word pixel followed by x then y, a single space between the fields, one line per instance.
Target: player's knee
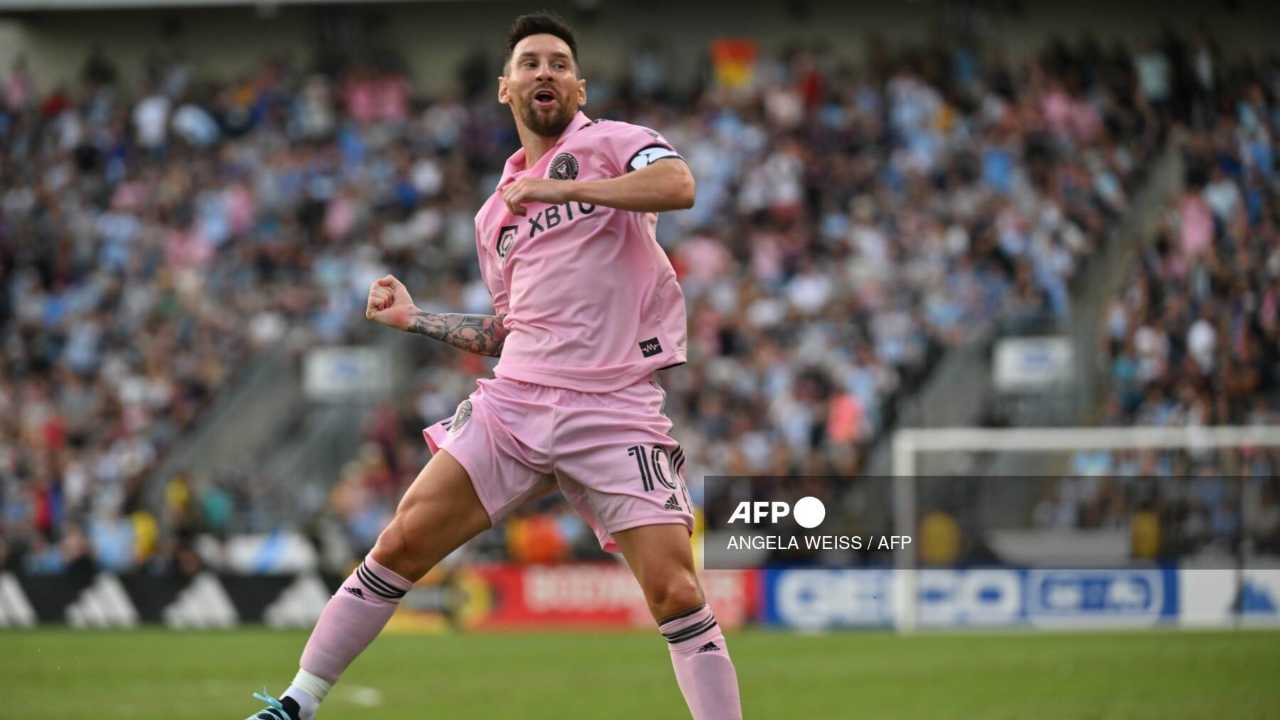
pixel 673 594
pixel 390 547
pixel 395 550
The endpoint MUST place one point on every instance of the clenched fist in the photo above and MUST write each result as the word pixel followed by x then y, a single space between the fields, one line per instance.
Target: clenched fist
pixel 390 303
pixel 531 190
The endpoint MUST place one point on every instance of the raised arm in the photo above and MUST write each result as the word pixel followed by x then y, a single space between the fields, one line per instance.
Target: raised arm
pixel 664 185
pixel 480 334
pixel 390 304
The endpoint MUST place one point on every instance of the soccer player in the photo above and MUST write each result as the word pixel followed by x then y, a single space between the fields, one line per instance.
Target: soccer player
pixel 587 310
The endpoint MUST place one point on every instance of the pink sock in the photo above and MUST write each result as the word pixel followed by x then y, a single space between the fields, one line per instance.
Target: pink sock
pixel 352 618
pixel 703 668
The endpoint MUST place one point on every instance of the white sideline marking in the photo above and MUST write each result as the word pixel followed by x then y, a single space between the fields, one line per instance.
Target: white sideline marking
pixel 362 695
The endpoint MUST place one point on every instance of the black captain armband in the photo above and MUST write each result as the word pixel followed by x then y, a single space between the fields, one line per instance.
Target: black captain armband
pixel 649 155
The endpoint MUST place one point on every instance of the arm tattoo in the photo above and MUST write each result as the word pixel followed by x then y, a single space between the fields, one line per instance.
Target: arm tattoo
pixel 480 334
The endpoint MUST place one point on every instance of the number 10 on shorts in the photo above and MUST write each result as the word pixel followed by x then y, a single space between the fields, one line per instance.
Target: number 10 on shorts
pixel 655 463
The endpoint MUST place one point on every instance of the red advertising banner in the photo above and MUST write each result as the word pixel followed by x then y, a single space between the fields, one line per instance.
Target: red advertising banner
pixel 595 594
pixel 571 596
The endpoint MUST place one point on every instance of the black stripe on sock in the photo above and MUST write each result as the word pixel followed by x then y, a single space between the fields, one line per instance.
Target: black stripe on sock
pixel 681 616
pixel 688 628
pixel 363 577
pixel 382 587
pixel 692 631
pixel 377 585
pixel 382 584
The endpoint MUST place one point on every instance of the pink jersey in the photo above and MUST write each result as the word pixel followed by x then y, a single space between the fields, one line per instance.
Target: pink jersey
pixel 591 299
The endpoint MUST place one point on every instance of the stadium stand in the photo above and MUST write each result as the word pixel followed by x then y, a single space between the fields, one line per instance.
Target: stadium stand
pixel 851 225
pixel 1192 339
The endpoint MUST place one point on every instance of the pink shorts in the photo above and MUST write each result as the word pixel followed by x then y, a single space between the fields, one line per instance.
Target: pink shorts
pixel 610 453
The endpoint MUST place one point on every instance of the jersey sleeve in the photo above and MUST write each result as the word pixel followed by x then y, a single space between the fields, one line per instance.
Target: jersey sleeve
pixel 632 147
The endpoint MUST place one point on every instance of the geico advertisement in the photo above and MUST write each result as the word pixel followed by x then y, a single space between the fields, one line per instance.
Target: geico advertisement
pixel 819 599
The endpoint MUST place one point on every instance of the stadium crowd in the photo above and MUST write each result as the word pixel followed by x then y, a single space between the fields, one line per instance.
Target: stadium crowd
pixel 1194 338
pixel 851 223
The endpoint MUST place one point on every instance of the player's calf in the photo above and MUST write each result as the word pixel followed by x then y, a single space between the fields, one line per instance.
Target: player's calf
pixel 351 619
pixel 438 513
pixel 662 561
pixel 704 671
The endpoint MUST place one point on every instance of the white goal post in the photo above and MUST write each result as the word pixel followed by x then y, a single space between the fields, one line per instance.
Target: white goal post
pixel 908 443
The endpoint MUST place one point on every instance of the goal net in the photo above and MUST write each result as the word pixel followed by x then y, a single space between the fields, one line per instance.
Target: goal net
pixel 1060 527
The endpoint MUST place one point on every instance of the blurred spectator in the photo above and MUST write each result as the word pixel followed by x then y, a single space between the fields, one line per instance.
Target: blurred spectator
pixel 1194 338
pixel 849 227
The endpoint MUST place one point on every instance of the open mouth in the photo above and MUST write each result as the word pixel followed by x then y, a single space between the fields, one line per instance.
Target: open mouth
pixel 544 99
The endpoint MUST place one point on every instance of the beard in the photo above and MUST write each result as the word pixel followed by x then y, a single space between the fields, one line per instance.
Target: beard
pixel 549 123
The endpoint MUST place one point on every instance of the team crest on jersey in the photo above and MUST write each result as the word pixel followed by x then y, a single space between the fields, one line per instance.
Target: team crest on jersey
pixel 460 416
pixel 506 238
pixel 563 167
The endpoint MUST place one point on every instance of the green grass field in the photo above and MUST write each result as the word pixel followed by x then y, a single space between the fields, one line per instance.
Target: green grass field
pixel 55 674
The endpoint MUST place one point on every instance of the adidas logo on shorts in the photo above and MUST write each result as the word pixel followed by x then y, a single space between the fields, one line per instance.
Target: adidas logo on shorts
pixel 672 503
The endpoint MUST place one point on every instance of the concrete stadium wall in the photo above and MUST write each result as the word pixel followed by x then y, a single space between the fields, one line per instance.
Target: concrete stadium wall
pixel 435 36
pixel 218 42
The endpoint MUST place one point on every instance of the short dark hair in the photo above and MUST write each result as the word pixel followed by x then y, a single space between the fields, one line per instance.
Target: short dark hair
pixel 540 23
